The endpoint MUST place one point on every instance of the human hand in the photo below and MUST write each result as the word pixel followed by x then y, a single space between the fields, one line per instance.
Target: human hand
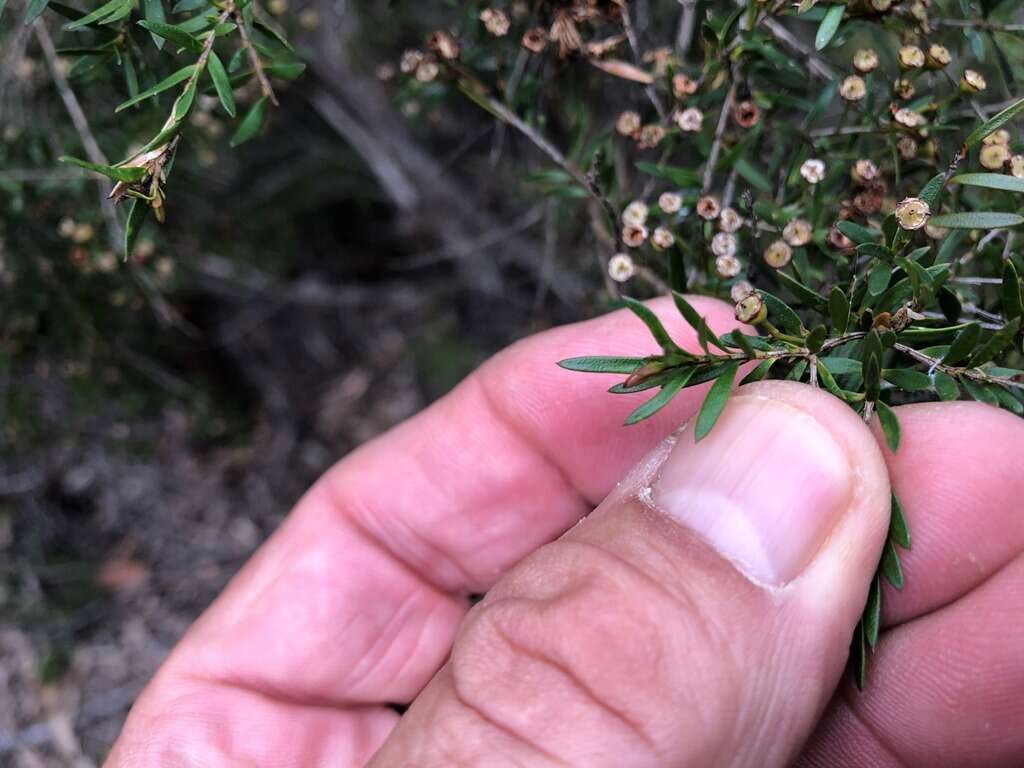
pixel 655 632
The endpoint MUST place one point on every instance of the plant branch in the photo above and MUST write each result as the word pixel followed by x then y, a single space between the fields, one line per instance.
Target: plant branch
pixel 254 57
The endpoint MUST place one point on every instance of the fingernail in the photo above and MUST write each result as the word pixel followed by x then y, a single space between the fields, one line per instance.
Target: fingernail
pixel 764 488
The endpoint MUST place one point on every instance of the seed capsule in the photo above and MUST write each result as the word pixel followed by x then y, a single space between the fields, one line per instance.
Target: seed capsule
pixel 912 213
pixel 621 267
pixel 778 254
pixel 751 309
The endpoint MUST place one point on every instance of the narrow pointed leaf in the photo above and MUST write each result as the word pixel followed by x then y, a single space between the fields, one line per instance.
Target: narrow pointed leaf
pixel 890 425
pixel 829 26
pixel 994 123
pixel 693 317
pixel 873 613
pixel 663 398
pixel 899 530
pixel 35 10
pixel 963 345
pixel 136 216
pixel 154 11
pixel 839 310
pixel 128 175
pixel 180 76
pixel 106 10
pixel 859 234
pixel 997 343
pixel 222 83
pixel 597 364
pixel 715 402
pixel 891 566
pixel 1000 181
pixel 977 220
pixel 945 386
pixel 653 324
pixel 176 35
pixel 251 123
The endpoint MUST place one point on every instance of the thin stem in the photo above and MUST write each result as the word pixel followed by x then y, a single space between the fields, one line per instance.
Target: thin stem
pixel 716 146
pixel 254 57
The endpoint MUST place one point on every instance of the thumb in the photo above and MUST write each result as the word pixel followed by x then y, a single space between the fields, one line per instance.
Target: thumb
pixel 701 616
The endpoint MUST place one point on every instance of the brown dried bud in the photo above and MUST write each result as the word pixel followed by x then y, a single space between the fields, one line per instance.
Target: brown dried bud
pixel 535 40
pixel 495 21
pixel 683 86
pixel 798 232
pixel 839 241
pixel 746 114
pixel 709 208
pixel 628 123
pixel 444 45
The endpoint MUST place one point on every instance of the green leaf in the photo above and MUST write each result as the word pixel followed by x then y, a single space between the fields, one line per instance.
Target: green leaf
pixel 782 313
pixel 35 10
pixel 872 378
pixel 994 123
pixel 1013 302
pixel 108 9
pixel 908 379
pixel 169 82
pixel 595 364
pixel 663 398
pixel 839 310
pixel 128 175
pixel 838 366
pixel 859 656
pixel 963 345
pixel 760 372
pixel 873 612
pixel 946 386
pixel 684 177
pixel 829 26
pixel 899 529
pixel 222 83
pixel 891 566
pixel 807 296
pixel 932 191
pixel 251 123
pixel 693 317
pixel 176 35
pixel 1001 181
pixel 997 343
pixel 983 393
pixel 184 102
pixel 876 250
pixel 878 279
pixel 752 175
pixel 890 425
pixel 859 234
pixel 1008 401
pixel 715 402
pixel 154 11
pixel 977 220
pixel 653 324
pixel 136 215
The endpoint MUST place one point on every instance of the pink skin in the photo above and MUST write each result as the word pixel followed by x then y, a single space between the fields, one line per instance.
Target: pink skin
pixel 353 604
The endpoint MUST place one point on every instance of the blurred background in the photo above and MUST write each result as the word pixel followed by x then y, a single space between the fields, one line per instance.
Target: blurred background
pixel 159 417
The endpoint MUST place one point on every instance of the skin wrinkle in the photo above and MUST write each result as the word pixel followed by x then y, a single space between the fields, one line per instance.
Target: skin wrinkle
pixel 589 693
pixel 873 734
pixel 474 708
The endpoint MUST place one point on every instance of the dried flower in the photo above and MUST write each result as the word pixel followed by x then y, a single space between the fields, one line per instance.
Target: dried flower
pixel 938 56
pixel 903 88
pixel 853 88
pixel 495 21
pixel 683 86
pixel 690 120
pixel 727 266
pixel 798 232
pixel 662 239
pixel 83 233
pixel 634 235
pixel 670 202
pixel 724 244
pixel 994 156
pixel 912 213
pixel 621 267
pixel 535 40
pixel 730 220
pixel 66 227
pixel 865 60
pixel 628 123
pixel 444 45
pixel 427 71
pixel 863 171
pixel 651 135
pixel 839 241
pixel 410 60
pixel 813 170
pixel 746 114
pixel 911 57
pixel 740 289
pixel 635 213
pixel 973 81
pixel 907 147
pixel 908 117
pixel 708 207
pixel 1017 166
pixel 751 309
pixel 778 254
pixel 1002 136
pixel 869 200
pixel 881 6
pixel 565 33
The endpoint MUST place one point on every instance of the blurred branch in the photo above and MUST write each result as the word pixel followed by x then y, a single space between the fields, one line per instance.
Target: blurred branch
pixel 254 57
